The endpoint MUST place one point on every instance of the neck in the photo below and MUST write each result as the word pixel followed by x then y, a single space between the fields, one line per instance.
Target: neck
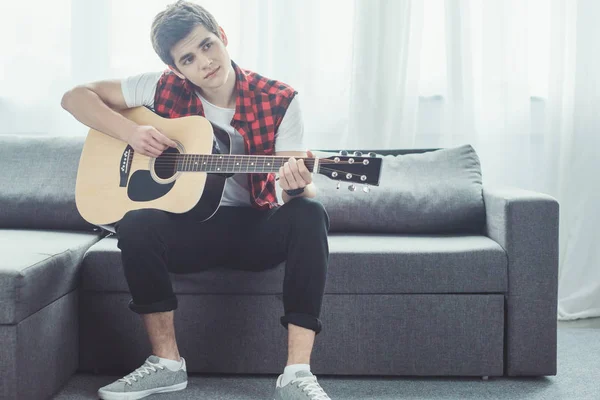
pixel 224 96
pixel 235 163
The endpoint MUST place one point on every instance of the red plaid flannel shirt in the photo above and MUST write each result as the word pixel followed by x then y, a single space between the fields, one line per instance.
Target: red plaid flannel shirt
pixel 260 106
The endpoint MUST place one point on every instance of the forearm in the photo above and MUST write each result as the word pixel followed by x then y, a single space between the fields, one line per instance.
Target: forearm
pixel 89 109
pixel 309 191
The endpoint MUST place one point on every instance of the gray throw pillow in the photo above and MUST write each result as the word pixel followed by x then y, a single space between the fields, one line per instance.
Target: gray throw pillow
pixel 434 192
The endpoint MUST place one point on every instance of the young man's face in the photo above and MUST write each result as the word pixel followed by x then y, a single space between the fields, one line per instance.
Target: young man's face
pixel 202 58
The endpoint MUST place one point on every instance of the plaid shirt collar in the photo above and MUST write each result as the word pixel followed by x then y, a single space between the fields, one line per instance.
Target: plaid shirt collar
pixel 245 101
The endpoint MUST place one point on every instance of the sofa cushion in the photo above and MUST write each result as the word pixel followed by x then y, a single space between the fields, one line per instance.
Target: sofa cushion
pixel 433 192
pixel 36 268
pixel 38 182
pixel 358 263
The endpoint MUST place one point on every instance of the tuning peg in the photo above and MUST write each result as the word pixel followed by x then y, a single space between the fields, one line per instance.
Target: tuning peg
pixel 343 153
pixel 338 186
pixel 352 188
pixel 366 189
pixel 358 153
pixel 372 154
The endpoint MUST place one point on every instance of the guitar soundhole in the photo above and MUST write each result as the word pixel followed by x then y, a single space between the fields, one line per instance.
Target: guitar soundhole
pixel 165 165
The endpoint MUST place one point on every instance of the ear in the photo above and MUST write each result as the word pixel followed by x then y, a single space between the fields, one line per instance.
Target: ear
pixel 223 36
pixel 176 72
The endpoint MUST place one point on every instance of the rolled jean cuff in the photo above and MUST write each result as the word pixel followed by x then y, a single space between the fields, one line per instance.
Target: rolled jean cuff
pixel 159 306
pixel 302 320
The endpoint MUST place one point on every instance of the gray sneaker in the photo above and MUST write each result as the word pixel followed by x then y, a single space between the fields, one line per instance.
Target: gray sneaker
pixel 148 379
pixel 304 387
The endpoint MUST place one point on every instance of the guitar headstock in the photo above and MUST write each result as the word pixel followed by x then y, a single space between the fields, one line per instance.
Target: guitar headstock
pixel 352 168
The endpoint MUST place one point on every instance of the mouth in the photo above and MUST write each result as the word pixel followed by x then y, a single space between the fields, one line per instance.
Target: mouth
pixel 212 73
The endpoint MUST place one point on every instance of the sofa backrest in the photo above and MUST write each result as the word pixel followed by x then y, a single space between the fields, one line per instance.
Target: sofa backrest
pixel 421 190
pixel 37 182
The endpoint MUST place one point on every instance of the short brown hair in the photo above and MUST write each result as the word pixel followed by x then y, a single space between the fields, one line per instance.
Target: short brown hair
pixel 175 23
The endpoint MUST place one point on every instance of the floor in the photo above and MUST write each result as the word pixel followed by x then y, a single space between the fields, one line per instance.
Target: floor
pixel 578 378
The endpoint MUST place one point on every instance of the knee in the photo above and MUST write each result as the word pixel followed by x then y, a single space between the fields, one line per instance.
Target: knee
pixel 138 225
pixel 309 212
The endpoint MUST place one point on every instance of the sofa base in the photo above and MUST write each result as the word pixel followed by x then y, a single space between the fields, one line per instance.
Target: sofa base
pixel 39 354
pixel 366 334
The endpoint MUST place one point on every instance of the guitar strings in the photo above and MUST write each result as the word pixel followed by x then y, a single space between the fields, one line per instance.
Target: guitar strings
pixel 230 159
pixel 225 168
pixel 234 159
pixel 182 155
pixel 171 158
pixel 323 169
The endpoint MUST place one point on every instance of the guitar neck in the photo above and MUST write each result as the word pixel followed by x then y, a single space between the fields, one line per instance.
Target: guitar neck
pixel 232 163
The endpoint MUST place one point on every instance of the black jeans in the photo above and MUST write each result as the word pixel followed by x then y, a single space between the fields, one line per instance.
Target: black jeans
pixel 154 243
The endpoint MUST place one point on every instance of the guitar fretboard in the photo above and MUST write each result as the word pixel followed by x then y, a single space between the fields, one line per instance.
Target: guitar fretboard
pixel 229 163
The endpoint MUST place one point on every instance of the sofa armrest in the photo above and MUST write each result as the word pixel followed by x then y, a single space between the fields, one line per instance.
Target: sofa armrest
pixel 525 224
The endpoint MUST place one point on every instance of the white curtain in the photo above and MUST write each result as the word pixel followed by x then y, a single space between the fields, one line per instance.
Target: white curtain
pixel 573 138
pixel 517 79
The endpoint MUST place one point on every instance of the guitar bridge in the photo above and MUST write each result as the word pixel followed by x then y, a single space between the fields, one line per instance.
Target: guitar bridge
pixel 125 165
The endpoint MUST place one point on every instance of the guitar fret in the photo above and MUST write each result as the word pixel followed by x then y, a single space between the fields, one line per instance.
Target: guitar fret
pixel 233 163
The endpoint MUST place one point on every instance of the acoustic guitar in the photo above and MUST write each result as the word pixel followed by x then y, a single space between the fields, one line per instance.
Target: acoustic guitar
pixel 112 179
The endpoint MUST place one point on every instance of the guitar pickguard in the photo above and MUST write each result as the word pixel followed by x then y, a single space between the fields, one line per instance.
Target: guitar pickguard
pixel 143 188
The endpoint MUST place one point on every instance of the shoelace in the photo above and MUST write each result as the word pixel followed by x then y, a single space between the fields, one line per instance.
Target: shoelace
pixel 310 385
pixel 144 369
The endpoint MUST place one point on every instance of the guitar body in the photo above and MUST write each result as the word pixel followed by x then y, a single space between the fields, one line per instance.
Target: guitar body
pixel 113 180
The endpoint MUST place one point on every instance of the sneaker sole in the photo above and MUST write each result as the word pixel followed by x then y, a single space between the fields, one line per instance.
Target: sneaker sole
pixel 140 394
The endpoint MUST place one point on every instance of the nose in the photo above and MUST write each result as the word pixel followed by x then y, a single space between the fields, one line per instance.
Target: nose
pixel 206 63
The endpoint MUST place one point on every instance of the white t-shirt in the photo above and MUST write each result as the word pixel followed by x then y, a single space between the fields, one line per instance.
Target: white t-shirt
pixel 139 90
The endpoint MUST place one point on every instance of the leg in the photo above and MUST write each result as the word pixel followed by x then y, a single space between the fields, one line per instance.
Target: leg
pixel 154 243
pixel 296 232
pixel 300 345
pixel 161 333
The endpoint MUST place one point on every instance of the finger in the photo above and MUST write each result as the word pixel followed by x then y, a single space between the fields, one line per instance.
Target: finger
pixel 162 139
pixel 289 175
pixel 282 180
pixel 304 172
pixel 295 167
pixel 156 142
pixel 150 151
pixel 156 145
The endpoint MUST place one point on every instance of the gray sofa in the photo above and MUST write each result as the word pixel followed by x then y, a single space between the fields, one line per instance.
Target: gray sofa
pixel 431 274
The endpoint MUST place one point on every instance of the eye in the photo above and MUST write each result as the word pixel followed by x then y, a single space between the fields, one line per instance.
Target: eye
pixel 207 45
pixel 188 61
